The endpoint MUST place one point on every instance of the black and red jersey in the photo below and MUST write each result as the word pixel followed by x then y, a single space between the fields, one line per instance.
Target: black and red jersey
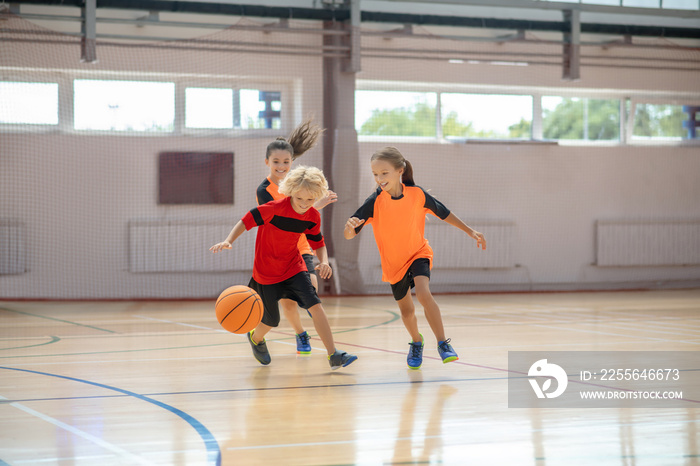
pixel 269 191
pixel 277 255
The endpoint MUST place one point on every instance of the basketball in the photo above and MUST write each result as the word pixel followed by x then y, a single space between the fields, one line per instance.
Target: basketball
pixel 239 309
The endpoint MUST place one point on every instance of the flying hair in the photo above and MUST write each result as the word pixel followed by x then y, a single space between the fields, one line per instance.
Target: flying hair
pixel 301 139
pixel 303 177
pixel 394 157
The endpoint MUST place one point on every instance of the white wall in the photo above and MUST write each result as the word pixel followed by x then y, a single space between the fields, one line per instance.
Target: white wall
pixel 554 195
pixel 77 193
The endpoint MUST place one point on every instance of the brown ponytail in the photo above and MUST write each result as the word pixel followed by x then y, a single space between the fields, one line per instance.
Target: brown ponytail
pixel 394 157
pixel 300 140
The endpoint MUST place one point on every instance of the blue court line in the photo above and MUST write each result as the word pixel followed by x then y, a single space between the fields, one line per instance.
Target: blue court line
pixel 213 450
pixel 239 390
pixel 309 387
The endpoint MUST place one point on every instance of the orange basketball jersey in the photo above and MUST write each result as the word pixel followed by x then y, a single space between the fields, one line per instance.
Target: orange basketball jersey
pixel 399 227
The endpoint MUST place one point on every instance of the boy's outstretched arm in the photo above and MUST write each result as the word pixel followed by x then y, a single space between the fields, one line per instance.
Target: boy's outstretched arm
pixel 455 221
pixel 350 225
pixel 237 231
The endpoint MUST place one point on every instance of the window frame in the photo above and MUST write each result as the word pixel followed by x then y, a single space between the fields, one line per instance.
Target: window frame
pixel 65 80
pixel 626 121
pixel 63 98
pixel 74 130
pixel 671 100
pixel 264 85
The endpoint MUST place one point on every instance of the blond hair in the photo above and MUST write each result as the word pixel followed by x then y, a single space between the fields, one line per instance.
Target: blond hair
pixel 303 177
pixel 301 139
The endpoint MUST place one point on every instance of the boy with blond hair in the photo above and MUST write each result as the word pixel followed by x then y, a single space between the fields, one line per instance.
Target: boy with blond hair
pixel 279 271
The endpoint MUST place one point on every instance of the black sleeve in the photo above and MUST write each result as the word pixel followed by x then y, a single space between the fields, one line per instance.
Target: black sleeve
pixel 257 216
pixel 435 206
pixel 263 194
pixel 366 210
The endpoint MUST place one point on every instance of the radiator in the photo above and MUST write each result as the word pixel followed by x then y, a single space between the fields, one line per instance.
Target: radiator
pixel 183 246
pixel 12 248
pixel 648 243
pixel 454 249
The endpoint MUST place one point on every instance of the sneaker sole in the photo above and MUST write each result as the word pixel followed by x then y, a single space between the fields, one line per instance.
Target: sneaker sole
pixel 303 352
pixel 415 368
pixel 450 359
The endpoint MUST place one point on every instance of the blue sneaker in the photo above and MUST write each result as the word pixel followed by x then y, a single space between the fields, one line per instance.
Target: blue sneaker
pixel 303 345
pixel 259 350
pixel 415 354
pixel 340 359
pixel 446 352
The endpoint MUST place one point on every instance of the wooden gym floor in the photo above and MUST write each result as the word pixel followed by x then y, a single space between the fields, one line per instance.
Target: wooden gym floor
pixel 115 383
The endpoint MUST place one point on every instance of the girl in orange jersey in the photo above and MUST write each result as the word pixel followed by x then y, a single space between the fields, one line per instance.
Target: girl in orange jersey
pixel 397 212
pixel 279 156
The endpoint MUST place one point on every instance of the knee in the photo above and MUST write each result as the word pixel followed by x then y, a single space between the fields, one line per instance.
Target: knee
pixel 407 309
pixel 425 297
pixel 288 305
pixel 316 309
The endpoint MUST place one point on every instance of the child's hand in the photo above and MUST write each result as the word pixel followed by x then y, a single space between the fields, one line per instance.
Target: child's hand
pixel 480 240
pixel 350 225
pixel 353 222
pixel 220 246
pixel 330 198
pixel 324 270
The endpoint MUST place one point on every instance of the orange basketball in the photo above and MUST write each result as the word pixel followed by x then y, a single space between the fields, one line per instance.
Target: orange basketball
pixel 239 309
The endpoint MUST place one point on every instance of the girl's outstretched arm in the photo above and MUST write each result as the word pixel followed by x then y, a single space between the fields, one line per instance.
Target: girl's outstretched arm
pixel 235 233
pixel 455 221
pixel 350 225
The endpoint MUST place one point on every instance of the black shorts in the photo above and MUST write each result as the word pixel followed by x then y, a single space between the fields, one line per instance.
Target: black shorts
pixel 309 259
pixel 402 287
pixel 297 288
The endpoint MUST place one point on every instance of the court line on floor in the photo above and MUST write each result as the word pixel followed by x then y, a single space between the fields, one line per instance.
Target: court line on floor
pixel 521 375
pixel 598 332
pixel 54 339
pixel 182 324
pixel 80 433
pixel 56 320
pixel 450 437
pixel 394 317
pixel 262 389
pixel 212 446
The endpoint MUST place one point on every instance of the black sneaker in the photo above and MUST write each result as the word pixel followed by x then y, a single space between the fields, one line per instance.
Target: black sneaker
pixel 259 350
pixel 340 359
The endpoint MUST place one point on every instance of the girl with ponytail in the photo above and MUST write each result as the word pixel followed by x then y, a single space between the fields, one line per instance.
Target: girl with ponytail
pixel 279 156
pixel 397 212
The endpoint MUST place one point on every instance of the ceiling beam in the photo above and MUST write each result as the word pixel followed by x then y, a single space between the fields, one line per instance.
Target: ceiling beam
pixel 344 14
pixel 88 31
